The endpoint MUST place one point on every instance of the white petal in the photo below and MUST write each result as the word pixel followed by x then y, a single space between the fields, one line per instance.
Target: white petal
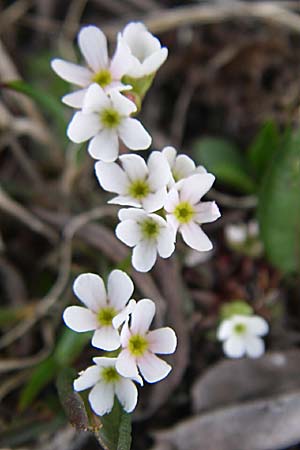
pixel 93 45
pixel 159 171
pixel 117 85
pixel 142 316
pixel 195 237
pixel 225 330
pixel 121 61
pixel 144 256
pixel 255 346
pixel 87 379
pixel 126 365
pixel 83 126
pixel 119 289
pixel 80 319
pixel 152 368
pixel 154 61
pixel 132 214
pixel 155 201
pixel 101 398
pixel 207 212
pixel 111 177
pixel 134 135
pixel 128 232
pixel 81 76
pixel 75 99
pixel 125 200
pixel 166 242
pixel 106 338
pixel 122 317
pixel 194 187
pixel 95 100
pixel 257 325
pixel 172 200
pixel 184 166
pixel 173 222
pixel 104 146
pixel 170 154
pixel 125 334
pixel 162 340
pixel 90 289
pixel 234 347
pixel 122 104
pixel 134 166
pixel 127 394
pixel 103 361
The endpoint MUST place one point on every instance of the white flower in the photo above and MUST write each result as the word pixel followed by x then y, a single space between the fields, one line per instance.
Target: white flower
pixel 105 118
pixel 185 211
pixel 136 183
pixel 149 234
pixel 106 382
pixel 147 53
pixel 236 233
pixel 241 336
pixel 139 345
pixel 101 307
pixel 93 46
pixel 181 166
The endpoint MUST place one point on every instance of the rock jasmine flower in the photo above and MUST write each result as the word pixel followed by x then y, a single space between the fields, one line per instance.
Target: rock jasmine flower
pixel 106 382
pixel 147 53
pixel 100 69
pixel 136 183
pixel 241 335
pixel 104 119
pixel 101 307
pixel 140 346
pixel 148 234
pixel 181 166
pixel 186 213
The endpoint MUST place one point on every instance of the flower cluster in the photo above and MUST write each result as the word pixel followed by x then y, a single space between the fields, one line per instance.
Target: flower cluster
pixel 164 194
pixel 121 324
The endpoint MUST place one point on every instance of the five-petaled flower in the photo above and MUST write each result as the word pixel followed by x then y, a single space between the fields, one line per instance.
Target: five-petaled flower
pixel 136 183
pixel 93 46
pixel 241 335
pixel 106 382
pixel 149 234
pixel 101 307
pixel 139 345
pixel 147 55
pixel 185 211
pixel 105 118
pixel 181 166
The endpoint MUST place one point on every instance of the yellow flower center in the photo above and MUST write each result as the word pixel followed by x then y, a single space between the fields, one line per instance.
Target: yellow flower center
pixel 109 374
pixel 137 345
pixel 110 118
pixel 139 189
pixel 240 328
pixel 184 212
pixel 103 78
pixel 106 315
pixel 150 228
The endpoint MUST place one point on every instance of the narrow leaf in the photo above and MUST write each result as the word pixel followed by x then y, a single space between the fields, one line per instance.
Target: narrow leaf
pixel 223 159
pixel 71 401
pixel 263 148
pixel 279 207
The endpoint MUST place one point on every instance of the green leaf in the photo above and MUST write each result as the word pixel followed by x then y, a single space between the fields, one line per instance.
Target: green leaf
pixel 48 103
pixel 68 348
pixel 115 433
pixel 223 159
pixel 263 148
pixel 71 401
pixel 40 377
pixel 235 307
pixel 279 207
